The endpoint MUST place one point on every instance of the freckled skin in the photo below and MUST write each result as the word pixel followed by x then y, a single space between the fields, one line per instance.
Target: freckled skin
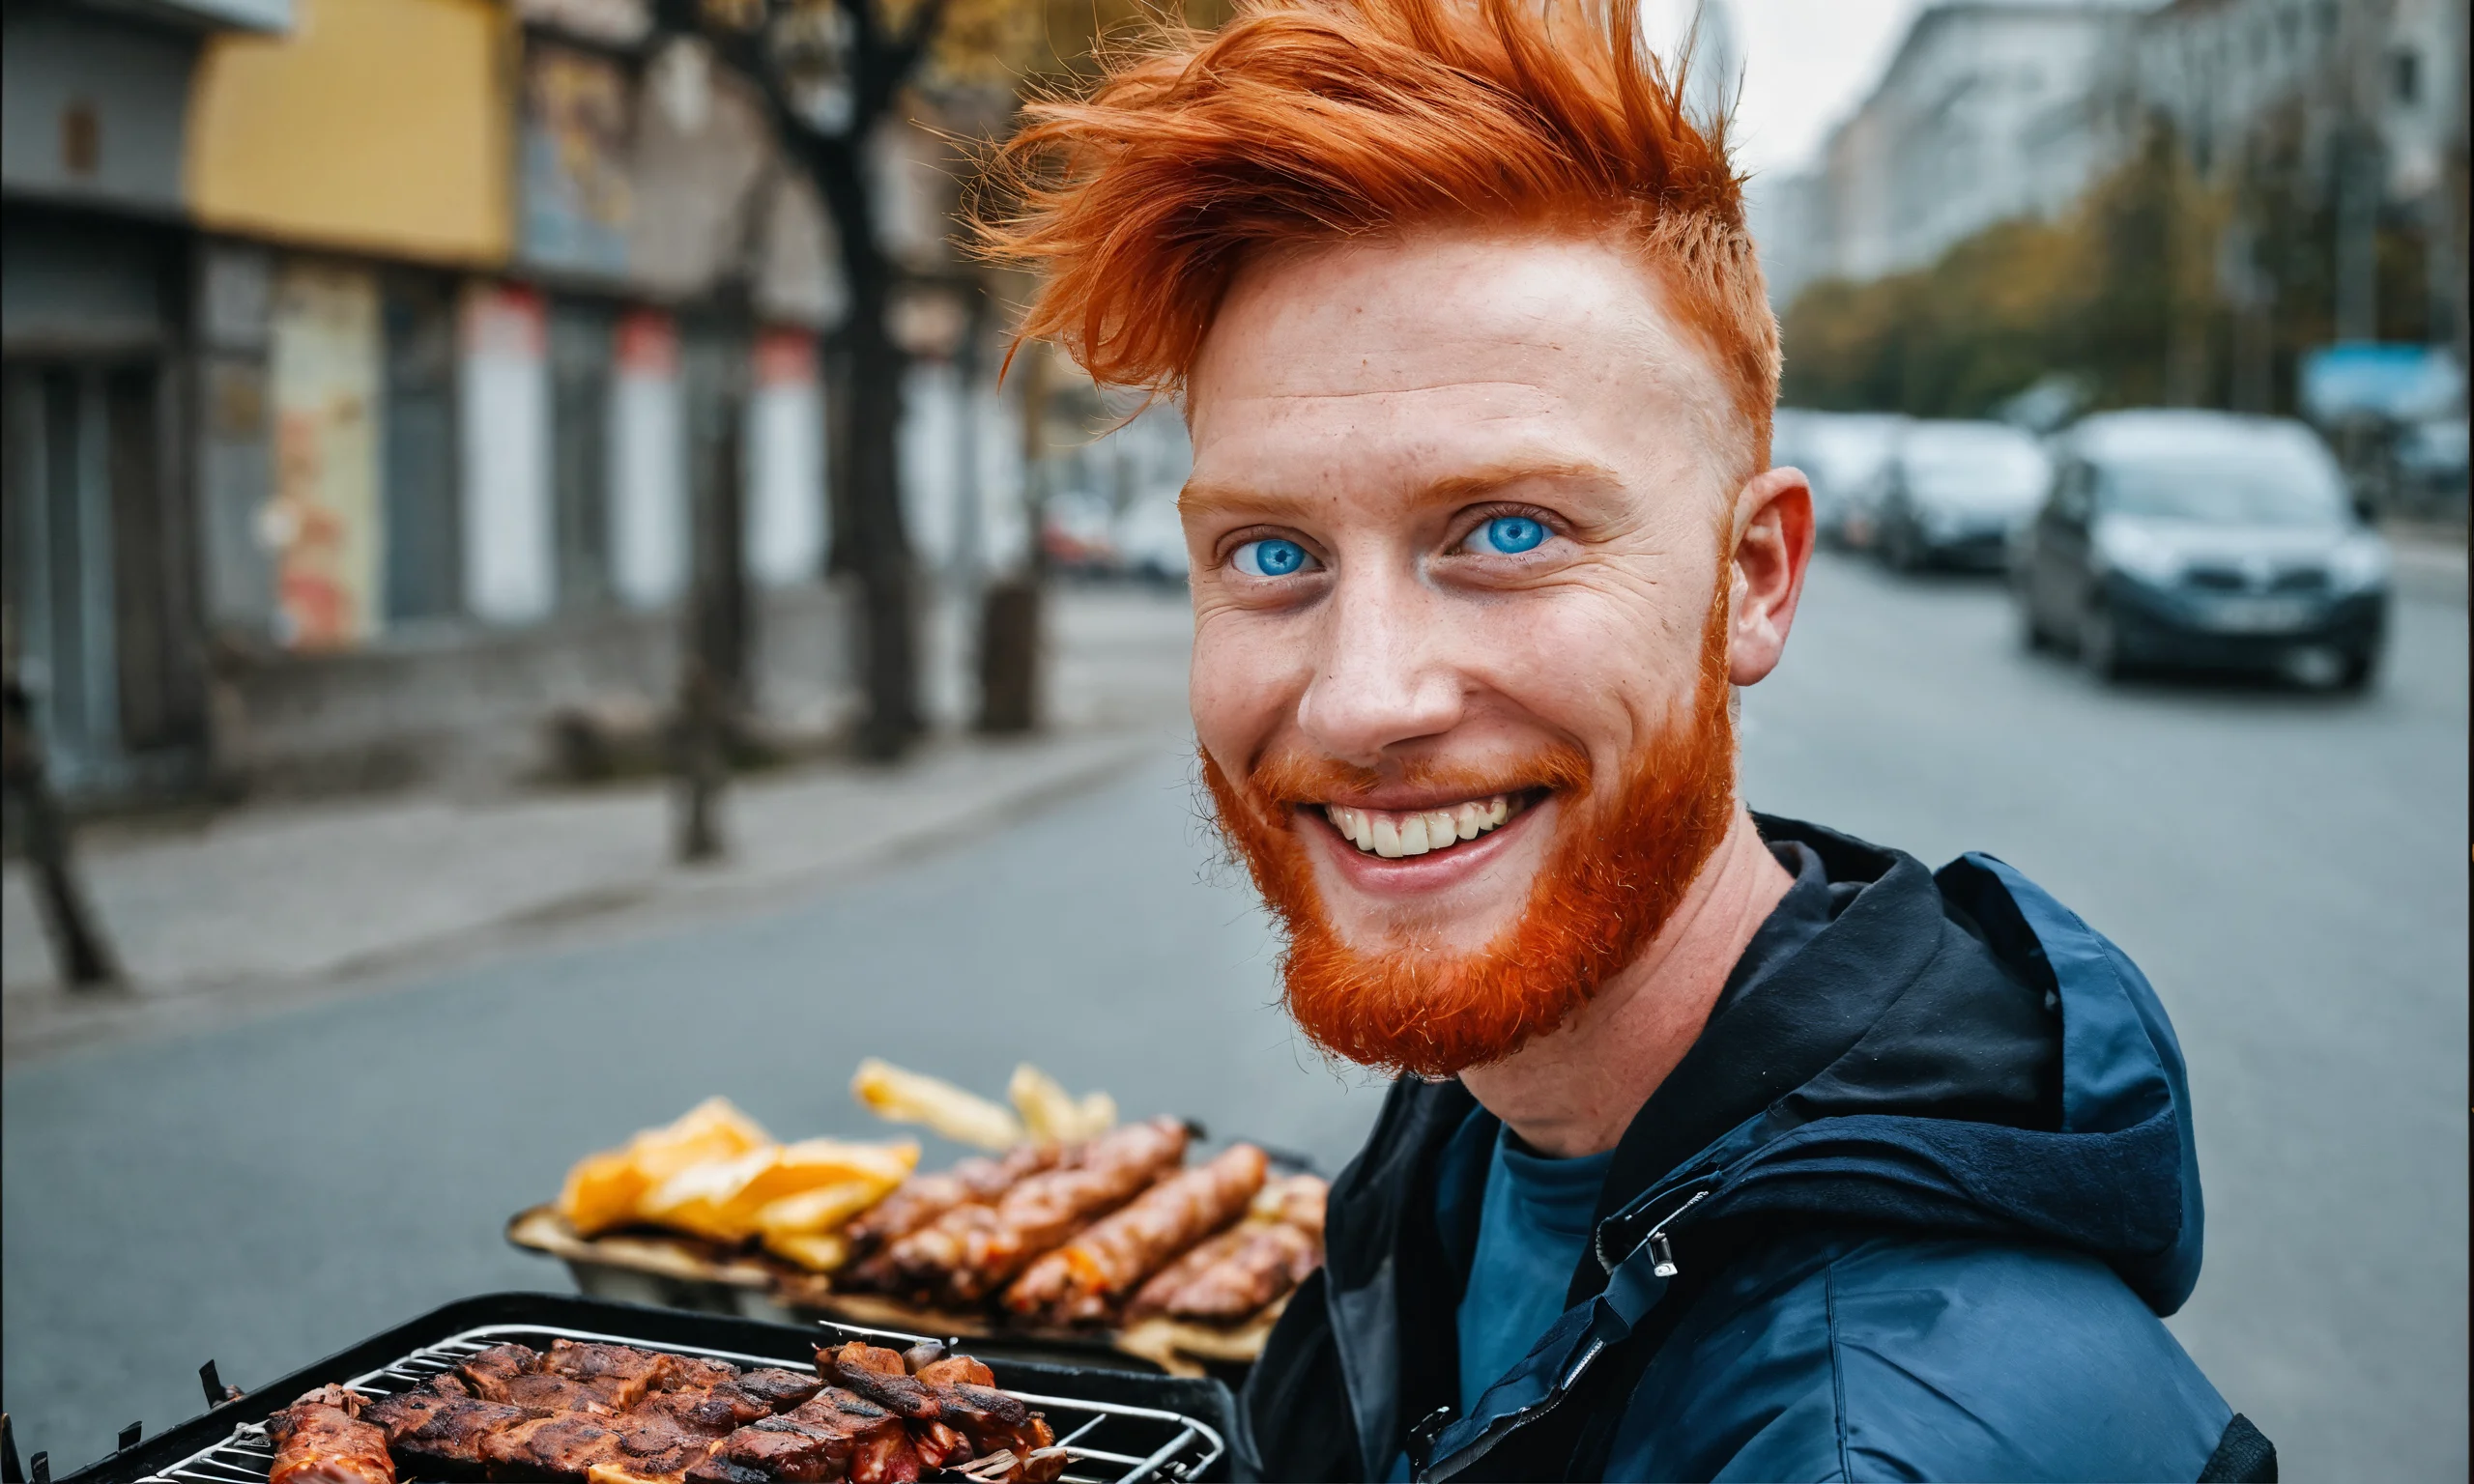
pixel 1376 403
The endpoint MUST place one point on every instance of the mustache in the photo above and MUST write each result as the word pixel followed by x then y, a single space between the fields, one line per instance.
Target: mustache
pixel 1291 779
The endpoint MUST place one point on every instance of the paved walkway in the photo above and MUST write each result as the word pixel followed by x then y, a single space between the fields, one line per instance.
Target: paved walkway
pixel 272 904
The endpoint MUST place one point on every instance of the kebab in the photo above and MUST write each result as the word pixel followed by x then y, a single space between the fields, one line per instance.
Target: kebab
pixel 1086 1279
pixel 592 1413
pixel 972 1249
pixel 1236 1273
pixel 322 1439
pixel 923 1198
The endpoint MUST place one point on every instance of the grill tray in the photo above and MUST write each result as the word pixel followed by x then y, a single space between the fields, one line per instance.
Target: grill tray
pixel 1118 1425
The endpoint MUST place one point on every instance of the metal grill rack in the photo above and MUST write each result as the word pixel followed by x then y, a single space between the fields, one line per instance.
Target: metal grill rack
pixel 1104 1441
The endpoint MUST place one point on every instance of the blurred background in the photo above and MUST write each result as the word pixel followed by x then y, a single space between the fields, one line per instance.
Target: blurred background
pixel 528 603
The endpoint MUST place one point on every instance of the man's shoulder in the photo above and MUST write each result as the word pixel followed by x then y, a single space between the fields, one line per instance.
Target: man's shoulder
pixel 1919 1357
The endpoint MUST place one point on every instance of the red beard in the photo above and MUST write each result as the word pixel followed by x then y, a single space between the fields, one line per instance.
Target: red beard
pixel 1615 877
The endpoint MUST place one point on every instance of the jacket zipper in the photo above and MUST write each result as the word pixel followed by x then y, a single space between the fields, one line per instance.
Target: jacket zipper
pixel 1662 1264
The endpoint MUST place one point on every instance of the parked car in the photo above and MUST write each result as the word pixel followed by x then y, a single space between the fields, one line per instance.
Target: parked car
pixel 1841 453
pixel 2202 539
pixel 1953 493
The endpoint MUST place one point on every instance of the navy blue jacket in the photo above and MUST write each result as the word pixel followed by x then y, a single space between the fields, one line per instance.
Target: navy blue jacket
pixel 1910 1207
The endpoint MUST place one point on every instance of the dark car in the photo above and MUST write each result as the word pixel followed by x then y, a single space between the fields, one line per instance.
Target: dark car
pixel 1952 494
pixel 2203 541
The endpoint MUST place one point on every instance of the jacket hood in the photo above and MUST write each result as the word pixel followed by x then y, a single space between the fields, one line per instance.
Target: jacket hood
pixel 1912 1124
pixel 1956 1054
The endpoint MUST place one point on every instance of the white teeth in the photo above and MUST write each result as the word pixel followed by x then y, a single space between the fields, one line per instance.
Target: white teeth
pixel 1393 836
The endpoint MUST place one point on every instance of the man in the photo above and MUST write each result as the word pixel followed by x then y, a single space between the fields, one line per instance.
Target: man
pixel 1721 1146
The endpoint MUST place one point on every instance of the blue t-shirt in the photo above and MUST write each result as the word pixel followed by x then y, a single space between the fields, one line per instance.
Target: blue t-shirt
pixel 1533 1227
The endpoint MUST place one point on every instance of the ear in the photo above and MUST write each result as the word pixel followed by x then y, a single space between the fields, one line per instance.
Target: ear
pixel 1773 546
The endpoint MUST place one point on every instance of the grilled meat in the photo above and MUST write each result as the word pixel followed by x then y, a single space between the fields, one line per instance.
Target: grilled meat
pixel 520 1376
pixel 1086 1278
pixel 1232 1275
pixel 497 1365
pixel 778 1389
pixel 955 1370
pixel 707 1411
pixel 634 1417
pixel 440 1426
pixel 879 1376
pixel 321 1438
pixel 971 1250
pixel 1236 1273
pixel 832 1437
pixel 560 1446
pixel 1298 1200
pixel 621 1374
pixel 923 1198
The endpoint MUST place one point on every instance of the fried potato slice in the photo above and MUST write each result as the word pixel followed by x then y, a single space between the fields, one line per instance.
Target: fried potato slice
pixel 815 1251
pixel 607 1189
pixel 724 1199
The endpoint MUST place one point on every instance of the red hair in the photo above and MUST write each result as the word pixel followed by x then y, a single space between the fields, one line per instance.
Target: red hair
pixel 1309 122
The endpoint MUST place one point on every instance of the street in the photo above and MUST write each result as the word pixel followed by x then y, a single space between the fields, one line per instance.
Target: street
pixel 2287 867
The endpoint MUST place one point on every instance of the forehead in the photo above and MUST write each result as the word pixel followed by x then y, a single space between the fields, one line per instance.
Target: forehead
pixel 1410 361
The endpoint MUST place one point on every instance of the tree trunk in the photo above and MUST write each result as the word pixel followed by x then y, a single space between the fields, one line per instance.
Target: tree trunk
pixel 79 950
pixel 715 688
pixel 880 548
pixel 877 546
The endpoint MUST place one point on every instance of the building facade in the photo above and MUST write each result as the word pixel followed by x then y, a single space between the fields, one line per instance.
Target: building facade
pixel 2359 106
pixel 382 373
pixel 1983 114
pixel 97 383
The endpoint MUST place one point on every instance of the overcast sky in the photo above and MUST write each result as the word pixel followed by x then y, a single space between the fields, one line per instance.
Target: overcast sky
pixel 1807 65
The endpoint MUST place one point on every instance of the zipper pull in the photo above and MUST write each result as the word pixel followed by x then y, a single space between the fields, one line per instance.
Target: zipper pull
pixel 1421 1449
pixel 1662 1250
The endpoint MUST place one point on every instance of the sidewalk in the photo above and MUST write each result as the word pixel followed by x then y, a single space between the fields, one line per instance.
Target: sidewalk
pixel 276 905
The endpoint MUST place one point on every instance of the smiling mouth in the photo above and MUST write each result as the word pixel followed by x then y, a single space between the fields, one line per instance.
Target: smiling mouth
pixel 1393 833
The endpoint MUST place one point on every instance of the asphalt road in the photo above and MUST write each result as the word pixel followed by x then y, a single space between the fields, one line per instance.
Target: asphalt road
pixel 2289 867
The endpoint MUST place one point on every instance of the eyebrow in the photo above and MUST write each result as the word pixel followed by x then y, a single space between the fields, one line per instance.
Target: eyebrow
pixel 1198 498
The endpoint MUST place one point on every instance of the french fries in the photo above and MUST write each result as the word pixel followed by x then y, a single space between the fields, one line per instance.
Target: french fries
pixel 1050 1115
pixel 913 1098
pixel 715 1173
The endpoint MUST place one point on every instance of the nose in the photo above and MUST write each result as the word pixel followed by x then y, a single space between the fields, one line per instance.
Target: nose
pixel 1377 682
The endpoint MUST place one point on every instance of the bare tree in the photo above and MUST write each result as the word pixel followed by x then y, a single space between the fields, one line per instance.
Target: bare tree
pixel 831 72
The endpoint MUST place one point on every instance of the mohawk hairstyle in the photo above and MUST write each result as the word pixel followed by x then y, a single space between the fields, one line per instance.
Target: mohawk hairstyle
pixel 1309 122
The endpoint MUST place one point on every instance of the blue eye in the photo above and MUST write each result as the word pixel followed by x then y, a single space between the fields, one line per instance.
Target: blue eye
pixel 1507 535
pixel 1270 557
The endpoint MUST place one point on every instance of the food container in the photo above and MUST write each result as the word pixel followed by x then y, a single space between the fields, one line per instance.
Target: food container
pixel 677 1270
pixel 1115 1424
